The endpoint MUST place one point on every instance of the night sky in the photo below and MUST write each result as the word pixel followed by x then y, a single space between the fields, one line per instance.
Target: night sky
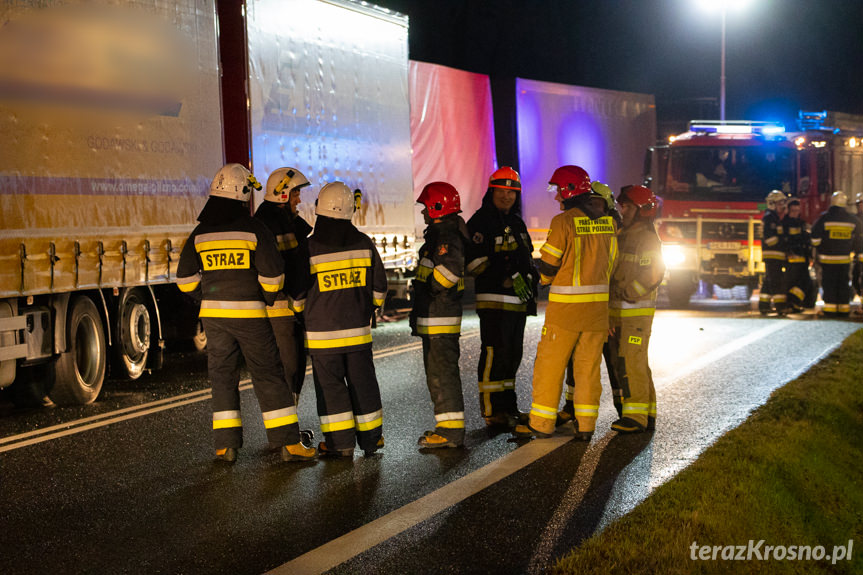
pixel 782 55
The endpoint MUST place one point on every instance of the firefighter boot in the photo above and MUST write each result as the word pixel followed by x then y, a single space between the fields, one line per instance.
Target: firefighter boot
pixel 501 420
pixel 581 435
pixel 431 440
pixel 378 445
pixel 525 431
pixel 298 452
pixel 228 454
pixel 327 452
pixel 566 414
pixel 627 425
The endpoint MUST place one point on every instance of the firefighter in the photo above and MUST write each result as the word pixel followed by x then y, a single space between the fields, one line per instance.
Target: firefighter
pixel 772 296
pixel 632 304
pixel 279 212
pixel 834 236
pixel 567 414
pixel 577 259
pixel 857 268
pixel 347 283
pixel 505 294
pixel 232 264
pixel 437 310
pixel 797 250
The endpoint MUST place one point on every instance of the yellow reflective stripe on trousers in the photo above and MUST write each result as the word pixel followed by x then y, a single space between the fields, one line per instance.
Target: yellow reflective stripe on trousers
pixel 438 325
pixel 633 312
pixel 337 422
pixel 369 421
pixel 635 408
pixel 450 420
pixel 543 411
pixel 227 419
pixel 586 410
pixel 280 417
pixel 652 410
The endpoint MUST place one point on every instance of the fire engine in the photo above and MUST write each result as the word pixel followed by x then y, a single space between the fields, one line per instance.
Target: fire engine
pixel 713 180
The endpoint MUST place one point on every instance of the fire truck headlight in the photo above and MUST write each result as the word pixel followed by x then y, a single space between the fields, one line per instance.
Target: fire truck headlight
pixel 672 255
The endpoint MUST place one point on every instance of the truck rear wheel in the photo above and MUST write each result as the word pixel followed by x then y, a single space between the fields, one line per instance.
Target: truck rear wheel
pixel 133 333
pixel 80 371
pixel 680 288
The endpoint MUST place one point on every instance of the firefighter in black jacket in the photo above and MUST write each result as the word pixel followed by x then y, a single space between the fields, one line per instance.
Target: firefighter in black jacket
pixel 857 267
pixel 773 254
pixel 347 283
pixel 231 263
pixel 834 236
pixel 437 310
pixel 505 288
pixel 279 212
pixel 797 251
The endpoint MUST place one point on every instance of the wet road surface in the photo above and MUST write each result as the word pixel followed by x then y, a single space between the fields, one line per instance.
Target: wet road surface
pixel 130 485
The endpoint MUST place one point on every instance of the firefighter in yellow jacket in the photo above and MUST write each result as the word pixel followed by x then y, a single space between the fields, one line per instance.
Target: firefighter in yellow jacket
pixel 232 264
pixel 632 304
pixel 347 283
pixel 577 260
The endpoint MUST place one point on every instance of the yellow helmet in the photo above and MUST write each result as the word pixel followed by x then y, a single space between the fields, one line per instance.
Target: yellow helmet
pixel 773 199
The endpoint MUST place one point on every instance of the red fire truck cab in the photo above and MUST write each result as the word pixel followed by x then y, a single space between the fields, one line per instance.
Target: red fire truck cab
pixel 714 178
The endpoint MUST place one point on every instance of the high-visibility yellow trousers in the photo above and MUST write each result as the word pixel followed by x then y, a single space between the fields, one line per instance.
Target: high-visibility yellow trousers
pixel 633 375
pixel 556 347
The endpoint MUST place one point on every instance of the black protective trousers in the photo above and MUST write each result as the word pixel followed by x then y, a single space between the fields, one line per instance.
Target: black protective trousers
pixel 290 337
pixel 440 358
pixel 349 399
pixel 798 283
pixel 228 341
pixel 502 336
pixel 835 284
pixel 772 286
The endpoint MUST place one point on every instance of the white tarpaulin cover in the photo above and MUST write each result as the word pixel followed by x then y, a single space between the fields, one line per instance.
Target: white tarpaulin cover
pixel 329 95
pixel 603 131
pixel 111 130
pixel 452 131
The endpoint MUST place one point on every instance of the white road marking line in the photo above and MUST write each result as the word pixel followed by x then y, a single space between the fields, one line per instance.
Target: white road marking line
pixel 359 540
pixel 96 421
pixel 351 544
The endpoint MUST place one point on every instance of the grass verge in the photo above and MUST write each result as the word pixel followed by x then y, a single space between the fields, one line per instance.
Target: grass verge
pixel 791 475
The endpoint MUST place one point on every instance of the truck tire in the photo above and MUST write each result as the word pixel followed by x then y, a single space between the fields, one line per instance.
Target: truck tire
pixel 80 371
pixel 133 329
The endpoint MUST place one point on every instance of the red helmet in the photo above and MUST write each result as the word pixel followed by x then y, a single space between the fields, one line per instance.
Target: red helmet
pixel 505 178
pixel 571 181
pixel 641 197
pixel 441 199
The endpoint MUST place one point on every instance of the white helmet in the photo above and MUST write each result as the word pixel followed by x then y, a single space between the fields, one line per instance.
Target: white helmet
pixel 839 199
pixel 234 182
pixel 773 198
pixel 282 182
pixel 336 200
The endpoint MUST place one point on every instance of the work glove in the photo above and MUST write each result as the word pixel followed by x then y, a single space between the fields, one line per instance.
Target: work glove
pixel 521 287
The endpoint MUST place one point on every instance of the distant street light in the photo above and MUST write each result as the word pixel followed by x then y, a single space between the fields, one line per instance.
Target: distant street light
pixel 723 8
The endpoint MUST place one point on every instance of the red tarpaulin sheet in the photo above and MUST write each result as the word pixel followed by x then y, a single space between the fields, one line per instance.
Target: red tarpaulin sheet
pixel 452 131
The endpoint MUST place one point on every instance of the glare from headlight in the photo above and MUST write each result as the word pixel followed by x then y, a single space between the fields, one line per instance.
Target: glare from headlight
pixel 672 255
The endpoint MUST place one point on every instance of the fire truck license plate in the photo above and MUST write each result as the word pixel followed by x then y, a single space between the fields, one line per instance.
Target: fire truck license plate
pixel 724 246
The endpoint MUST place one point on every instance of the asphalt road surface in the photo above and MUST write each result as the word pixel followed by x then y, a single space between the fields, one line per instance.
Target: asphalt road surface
pixel 130 485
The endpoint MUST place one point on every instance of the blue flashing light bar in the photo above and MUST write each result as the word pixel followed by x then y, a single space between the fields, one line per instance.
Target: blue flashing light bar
pixel 736 127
